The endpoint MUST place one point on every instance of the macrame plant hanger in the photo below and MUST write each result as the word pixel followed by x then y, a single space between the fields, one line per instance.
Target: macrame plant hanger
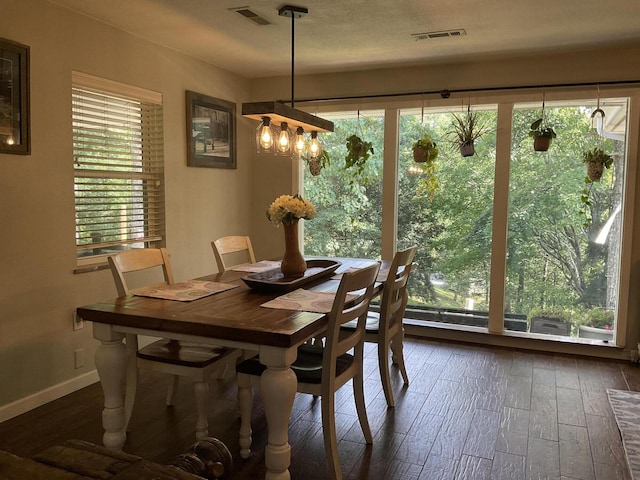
pixel 598 139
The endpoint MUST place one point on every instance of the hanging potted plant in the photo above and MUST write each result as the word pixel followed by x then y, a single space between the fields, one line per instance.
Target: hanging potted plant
pixel 425 153
pixel 542 134
pixel 597 160
pixel 358 152
pixel 425 150
pixel 466 130
pixel 318 163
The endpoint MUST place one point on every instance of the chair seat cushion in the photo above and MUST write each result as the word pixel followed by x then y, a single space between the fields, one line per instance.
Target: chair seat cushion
pixel 372 326
pixel 307 367
pixel 182 353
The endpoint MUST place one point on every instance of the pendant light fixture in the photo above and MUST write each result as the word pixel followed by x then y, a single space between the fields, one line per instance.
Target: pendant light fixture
pixel 282 128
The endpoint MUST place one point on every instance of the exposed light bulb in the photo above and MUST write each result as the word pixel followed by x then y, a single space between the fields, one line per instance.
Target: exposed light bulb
pixel 10 141
pixel 315 147
pixel 265 135
pixel 299 144
pixel 284 142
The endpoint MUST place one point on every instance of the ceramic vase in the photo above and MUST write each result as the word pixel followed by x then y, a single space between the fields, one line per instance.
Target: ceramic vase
pixel 293 264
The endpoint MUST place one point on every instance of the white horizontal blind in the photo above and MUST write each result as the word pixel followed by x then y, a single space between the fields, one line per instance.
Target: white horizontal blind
pixel 118 162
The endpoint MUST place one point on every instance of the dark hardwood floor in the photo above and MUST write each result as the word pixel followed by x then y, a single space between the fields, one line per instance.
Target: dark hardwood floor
pixel 469 413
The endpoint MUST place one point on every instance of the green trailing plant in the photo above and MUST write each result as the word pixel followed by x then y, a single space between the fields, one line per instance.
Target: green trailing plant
pixel 425 149
pixel 597 160
pixel 358 152
pixel 425 153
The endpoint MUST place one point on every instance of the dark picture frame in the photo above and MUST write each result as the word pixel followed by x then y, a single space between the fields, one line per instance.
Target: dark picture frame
pixel 211 131
pixel 14 98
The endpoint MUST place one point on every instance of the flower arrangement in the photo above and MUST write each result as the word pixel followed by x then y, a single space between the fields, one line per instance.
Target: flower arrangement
pixel 288 209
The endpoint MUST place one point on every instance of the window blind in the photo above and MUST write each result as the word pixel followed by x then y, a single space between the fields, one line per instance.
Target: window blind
pixel 119 167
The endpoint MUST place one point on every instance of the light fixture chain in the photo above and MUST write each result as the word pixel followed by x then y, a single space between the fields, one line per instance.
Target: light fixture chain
pixel 293 42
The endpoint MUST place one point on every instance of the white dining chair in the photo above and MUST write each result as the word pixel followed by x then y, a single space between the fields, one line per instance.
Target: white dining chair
pixel 176 358
pixel 386 327
pixel 322 370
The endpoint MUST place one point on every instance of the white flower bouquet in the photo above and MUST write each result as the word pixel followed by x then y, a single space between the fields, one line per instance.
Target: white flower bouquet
pixel 287 209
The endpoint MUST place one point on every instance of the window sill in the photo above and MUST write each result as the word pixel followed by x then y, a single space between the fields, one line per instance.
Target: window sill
pixel 94 267
pixel 519 340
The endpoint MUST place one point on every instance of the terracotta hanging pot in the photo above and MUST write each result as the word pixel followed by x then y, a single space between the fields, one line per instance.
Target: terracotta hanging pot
pixel 293 264
pixel 541 144
pixel 419 154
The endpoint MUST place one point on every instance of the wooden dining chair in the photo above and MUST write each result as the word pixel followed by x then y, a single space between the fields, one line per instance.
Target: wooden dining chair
pixel 176 358
pixel 386 327
pixel 236 247
pixel 322 370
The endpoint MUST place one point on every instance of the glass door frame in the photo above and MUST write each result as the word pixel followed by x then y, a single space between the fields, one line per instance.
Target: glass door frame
pixel 505 101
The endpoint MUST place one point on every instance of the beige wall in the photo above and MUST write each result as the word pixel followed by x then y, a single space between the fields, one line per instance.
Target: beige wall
pixel 38 290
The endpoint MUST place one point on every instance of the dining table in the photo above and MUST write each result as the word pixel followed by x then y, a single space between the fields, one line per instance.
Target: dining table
pixel 233 318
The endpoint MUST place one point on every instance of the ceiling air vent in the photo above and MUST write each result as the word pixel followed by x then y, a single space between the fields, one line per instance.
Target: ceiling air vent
pixel 444 33
pixel 251 15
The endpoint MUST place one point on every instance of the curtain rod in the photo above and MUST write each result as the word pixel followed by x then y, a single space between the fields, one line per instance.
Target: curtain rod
pixel 447 93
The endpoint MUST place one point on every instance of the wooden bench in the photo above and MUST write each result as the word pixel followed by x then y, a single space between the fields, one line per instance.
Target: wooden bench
pixel 78 460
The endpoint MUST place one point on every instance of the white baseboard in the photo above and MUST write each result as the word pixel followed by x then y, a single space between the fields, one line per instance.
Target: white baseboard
pixel 45 396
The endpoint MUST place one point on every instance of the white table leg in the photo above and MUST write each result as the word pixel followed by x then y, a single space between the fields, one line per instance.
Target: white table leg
pixel 111 363
pixel 278 388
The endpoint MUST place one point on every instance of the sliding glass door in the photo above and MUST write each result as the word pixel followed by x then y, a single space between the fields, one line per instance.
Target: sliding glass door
pixel 557 233
pixel 452 222
pixel 563 246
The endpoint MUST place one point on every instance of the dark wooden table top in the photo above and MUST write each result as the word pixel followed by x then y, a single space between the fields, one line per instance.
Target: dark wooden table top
pixel 233 315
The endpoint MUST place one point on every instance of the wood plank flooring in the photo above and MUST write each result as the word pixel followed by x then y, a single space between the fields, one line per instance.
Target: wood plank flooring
pixel 470 412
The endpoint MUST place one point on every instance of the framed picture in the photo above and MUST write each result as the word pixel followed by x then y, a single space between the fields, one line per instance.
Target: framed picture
pixel 14 98
pixel 211 132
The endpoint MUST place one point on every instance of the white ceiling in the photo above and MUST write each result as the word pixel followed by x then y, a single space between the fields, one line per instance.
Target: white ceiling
pixel 340 35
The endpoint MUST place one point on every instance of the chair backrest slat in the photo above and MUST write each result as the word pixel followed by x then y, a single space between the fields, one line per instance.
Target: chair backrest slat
pixel 136 260
pixel 229 245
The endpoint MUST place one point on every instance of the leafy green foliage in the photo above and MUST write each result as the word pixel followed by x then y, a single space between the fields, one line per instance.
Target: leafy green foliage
pixel 348 203
pixel 597 155
pixel 358 152
pixel 540 129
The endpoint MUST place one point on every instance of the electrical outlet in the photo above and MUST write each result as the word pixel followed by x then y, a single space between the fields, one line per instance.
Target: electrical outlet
pixel 78 322
pixel 78 356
